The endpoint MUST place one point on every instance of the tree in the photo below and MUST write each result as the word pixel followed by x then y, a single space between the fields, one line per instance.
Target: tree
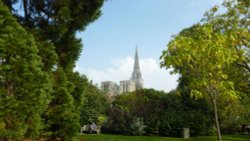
pixel 203 58
pixel 126 113
pixel 95 105
pixel 54 24
pixel 196 113
pixel 163 113
pixel 235 24
pixel 149 112
pixel 80 83
pixel 58 21
pixel 61 119
pixel 24 87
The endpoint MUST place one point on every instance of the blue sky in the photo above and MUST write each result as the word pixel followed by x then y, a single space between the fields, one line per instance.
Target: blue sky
pixel 110 41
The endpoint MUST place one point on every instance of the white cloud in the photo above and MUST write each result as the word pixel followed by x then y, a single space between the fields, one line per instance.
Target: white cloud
pixel 121 69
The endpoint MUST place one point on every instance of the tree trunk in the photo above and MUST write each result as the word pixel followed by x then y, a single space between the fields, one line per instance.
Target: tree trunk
pixel 9 86
pixel 217 120
pixel 25 8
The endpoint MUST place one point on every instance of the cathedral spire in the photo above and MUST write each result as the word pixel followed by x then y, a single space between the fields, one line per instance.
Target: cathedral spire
pixel 136 75
pixel 136 72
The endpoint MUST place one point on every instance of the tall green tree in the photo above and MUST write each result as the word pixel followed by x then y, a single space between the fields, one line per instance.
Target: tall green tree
pixel 235 23
pixel 54 24
pixel 80 84
pixel 58 21
pixel 229 32
pixel 61 119
pixel 197 113
pixel 24 87
pixel 95 105
pixel 203 57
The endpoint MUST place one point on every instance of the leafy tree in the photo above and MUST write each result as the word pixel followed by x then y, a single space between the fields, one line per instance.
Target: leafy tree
pixel 153 112
pixel 95 105
pixel 196 112
pixel 25 88
pixel 235 24
pixel 125 114
pixel 203 57
pixel 163 114
pixel 149 112
pixel 245 110
pixel 229 32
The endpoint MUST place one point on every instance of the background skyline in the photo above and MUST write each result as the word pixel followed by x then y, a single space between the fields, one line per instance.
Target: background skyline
pixel 110 42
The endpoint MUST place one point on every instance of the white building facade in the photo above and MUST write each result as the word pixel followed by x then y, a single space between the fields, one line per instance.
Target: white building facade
pixel 135 83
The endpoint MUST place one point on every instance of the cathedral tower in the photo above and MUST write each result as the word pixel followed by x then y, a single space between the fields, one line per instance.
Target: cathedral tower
pixel 136 75
pixel 135 83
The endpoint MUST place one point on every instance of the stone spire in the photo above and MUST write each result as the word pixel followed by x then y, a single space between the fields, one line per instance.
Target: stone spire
pixel 136 75
pixel 136 72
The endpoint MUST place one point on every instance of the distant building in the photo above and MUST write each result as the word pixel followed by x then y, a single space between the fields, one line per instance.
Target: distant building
pixel 110 88
pixel 136 75
pixel 127 86
pixel 135 83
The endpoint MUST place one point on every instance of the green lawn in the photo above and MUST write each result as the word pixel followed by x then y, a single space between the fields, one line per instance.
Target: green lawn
pixel 88 137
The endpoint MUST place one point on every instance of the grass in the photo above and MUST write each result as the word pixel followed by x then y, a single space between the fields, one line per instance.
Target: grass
pixel 103 137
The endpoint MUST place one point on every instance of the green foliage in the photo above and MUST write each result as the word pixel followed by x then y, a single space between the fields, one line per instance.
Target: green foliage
pixel 58 21
pixel 163 114
pixel 46 52
pixel 80 83
pixel 245 110
pixel 211 55
pixel 235 24
pixel 61 119
pixel 152 112
pixel 196 112
pixel 95 106
pixel 54 25
pixel 203 58
pixel 25 88
pixel 125 114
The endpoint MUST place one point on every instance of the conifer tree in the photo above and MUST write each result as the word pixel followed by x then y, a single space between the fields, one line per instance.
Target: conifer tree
pixel 24 87
pixel 62 120
pixel 54 24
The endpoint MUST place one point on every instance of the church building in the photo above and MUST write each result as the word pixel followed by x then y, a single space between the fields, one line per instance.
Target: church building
pixel 133 84
pixel 136 81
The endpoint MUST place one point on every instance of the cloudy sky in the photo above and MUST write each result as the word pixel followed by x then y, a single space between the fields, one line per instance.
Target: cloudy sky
pixel 109 42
